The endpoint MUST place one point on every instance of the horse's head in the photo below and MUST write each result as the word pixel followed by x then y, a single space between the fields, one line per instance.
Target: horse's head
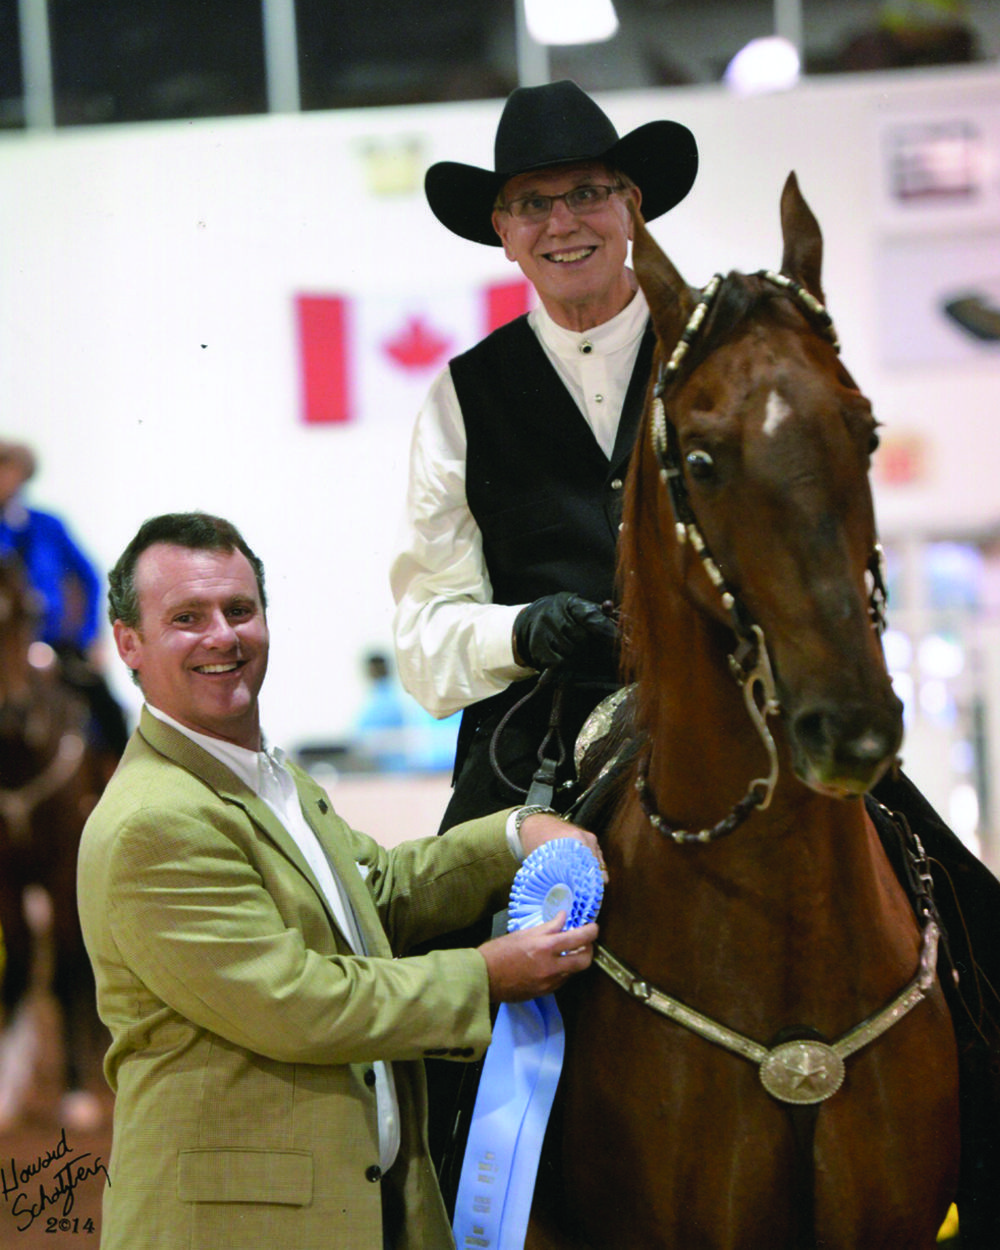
pixel 762 449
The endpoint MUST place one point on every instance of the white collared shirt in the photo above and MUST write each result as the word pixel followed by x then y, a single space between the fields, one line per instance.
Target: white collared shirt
pixel 453 644
pixel 264 772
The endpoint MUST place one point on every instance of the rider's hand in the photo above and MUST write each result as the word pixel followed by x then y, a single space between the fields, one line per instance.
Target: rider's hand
pixel 556 628
pixel 534 962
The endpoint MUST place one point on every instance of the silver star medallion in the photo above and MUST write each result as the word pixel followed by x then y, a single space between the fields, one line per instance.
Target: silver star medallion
pixel 802 1072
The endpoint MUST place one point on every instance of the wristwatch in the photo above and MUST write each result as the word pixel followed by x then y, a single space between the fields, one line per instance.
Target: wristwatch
pixel 522 814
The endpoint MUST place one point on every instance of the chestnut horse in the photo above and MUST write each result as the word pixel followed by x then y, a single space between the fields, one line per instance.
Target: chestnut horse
pixel 50 778
pixel 718 1091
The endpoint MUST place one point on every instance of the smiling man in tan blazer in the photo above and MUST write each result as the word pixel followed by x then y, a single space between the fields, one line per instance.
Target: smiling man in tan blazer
pixel 267 1037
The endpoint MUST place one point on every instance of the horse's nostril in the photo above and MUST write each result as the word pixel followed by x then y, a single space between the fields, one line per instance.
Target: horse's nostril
pixel 811 731
pixel 849 738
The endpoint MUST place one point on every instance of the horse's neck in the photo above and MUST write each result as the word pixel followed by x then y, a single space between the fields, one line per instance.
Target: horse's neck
pixel 802 854
pixel 703 748
pixel 15 670
pixel 801 882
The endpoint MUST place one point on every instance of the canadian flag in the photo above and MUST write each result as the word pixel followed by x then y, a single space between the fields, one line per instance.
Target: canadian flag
pixel 363 357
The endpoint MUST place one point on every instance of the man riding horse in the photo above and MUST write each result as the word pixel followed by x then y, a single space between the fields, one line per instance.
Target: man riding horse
pixel 530 432
pixel 520 452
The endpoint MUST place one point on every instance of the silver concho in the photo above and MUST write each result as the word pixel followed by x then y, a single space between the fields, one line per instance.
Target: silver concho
pixel 802 1072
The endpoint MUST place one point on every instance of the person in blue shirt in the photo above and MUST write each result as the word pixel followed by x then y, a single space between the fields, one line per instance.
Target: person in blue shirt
pixel 395 730
pixel 67 586
pixel 64 579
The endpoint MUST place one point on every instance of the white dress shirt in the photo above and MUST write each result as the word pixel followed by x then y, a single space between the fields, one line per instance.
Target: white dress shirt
pixel 264 772
pixel 453 644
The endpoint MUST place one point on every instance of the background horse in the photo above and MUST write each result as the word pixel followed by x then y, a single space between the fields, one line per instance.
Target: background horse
pixel 746 880
pixel 50 778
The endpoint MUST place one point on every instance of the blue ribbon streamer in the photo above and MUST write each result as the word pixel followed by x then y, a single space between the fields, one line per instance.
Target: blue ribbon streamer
pixel 515 1096
pixel 523 1063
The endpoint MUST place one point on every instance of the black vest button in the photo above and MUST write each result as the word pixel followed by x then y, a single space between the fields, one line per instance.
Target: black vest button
pixel 373 1174
pixel 370 1077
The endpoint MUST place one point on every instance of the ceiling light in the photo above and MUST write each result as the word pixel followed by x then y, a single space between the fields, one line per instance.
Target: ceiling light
pixel 561 22
pixel 767 64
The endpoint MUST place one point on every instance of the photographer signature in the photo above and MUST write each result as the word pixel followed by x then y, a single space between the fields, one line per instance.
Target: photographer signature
pixel 31 1188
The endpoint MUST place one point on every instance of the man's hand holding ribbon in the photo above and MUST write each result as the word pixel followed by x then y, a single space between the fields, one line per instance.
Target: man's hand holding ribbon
pixel 534 962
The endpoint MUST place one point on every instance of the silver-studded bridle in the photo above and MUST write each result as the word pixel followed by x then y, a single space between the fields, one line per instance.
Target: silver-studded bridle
pixel 749 662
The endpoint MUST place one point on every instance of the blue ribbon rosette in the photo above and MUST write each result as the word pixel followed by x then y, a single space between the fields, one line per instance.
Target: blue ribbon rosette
pixel 523 1063
pixel 561 875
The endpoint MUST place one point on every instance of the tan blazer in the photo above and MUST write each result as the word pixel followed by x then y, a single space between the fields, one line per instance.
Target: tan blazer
pixel 243 1028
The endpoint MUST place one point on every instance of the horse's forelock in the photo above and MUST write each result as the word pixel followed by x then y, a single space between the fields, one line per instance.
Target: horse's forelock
pixel 737 299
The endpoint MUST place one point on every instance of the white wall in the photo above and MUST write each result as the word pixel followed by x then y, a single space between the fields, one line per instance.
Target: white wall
pixel 147 339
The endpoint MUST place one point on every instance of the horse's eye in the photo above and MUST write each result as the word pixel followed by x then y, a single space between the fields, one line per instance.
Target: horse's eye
pixel 701 464
pixel 873 442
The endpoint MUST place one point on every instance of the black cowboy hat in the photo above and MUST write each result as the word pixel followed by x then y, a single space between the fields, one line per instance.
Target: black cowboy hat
pixel 559 124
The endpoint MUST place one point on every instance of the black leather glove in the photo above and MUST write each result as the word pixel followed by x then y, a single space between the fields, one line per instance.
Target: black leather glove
pixel 556 628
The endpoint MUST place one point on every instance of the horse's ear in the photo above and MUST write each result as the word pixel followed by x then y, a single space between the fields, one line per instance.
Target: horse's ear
pixel 803 258
pixel 668 295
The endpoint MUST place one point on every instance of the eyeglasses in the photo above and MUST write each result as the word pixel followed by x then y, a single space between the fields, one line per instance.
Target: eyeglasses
pixel 588 198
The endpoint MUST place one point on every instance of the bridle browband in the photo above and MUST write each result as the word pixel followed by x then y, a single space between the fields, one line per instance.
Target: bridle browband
pixel 749 662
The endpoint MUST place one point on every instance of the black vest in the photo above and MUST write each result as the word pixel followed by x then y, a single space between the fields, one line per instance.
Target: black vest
pixel 544 495
pixel 548 502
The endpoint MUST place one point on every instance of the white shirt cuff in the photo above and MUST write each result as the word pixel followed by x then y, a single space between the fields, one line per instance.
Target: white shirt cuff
pixel 514 838
pixel 496 645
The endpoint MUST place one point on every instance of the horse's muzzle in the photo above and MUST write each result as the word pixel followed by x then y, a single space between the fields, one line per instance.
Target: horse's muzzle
pixel 843 750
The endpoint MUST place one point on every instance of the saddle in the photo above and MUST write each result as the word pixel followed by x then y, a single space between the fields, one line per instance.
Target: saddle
pixel 605 748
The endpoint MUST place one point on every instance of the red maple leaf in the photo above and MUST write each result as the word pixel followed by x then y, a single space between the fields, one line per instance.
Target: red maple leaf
pixel 417 346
